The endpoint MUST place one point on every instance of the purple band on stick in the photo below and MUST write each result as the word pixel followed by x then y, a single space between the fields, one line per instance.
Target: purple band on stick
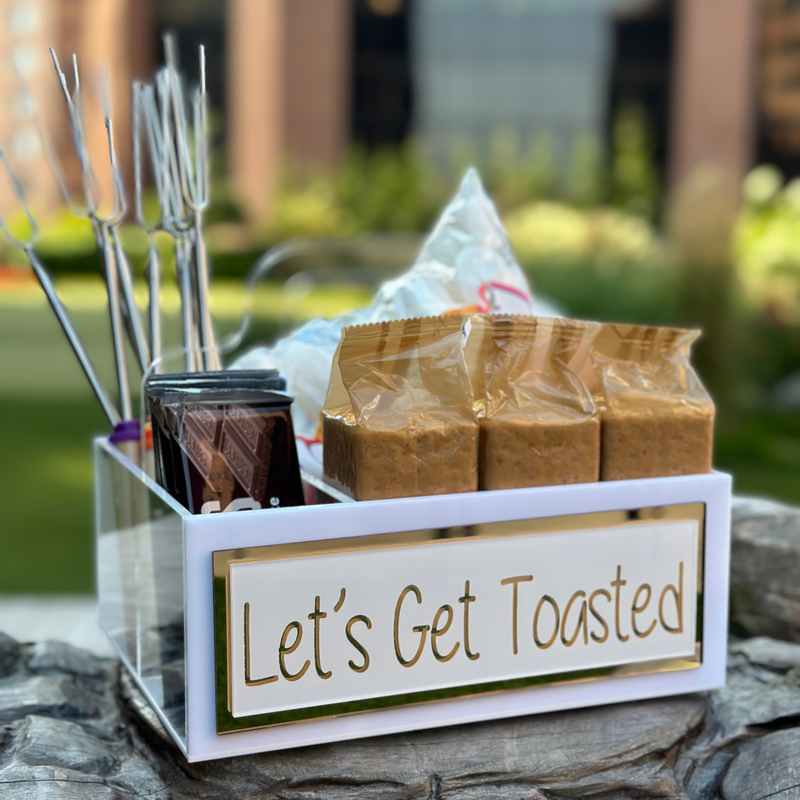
pixel 128 430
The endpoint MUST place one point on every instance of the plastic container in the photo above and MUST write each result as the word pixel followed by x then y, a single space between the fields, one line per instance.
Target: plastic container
pixel 205 611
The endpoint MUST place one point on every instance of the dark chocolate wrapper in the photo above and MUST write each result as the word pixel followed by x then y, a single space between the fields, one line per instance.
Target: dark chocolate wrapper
pixel 239 379
pixel 225 449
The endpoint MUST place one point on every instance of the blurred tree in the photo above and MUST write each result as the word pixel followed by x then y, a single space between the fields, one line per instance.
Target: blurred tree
pixel 701 217
pixel 385 189
pixel 585 177
pixel 633 181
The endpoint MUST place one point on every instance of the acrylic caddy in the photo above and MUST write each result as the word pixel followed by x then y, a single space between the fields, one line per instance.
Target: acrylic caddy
pixel 480 606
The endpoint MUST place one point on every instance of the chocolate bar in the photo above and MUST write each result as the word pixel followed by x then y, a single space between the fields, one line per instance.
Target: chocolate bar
pixel 226 444
pixel 247 445
pixel 165 446
pixel 245 465
pixel 229 379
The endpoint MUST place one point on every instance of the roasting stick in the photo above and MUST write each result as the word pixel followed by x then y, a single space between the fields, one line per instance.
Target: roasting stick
pixel 198 200
pixel 175 223
pixel 100 226
pixel 131 316
pixel 47 285
pixel 131 500
pixel 195 187
pixel 141 98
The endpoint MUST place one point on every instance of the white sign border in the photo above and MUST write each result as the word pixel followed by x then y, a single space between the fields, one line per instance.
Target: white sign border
pixel 203 536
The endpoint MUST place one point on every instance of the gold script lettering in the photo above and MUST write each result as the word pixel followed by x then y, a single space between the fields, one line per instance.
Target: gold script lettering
pixel 596 615
pixel 422 630
pixel 581 622
pixel 284 651
pixel 637 609
pixel 466 599
pixel 436 632
pixel 515 581
pixel 247 679
pixel 545 645
pixel 678 594
pixel 358 646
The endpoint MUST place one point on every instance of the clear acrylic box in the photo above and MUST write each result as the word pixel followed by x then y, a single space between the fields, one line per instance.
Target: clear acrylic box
pixel 140 560
pixel 158 580
pixel 140 571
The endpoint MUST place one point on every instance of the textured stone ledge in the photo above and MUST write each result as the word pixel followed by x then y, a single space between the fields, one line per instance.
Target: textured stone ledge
pixel 74 727
pixel 765 569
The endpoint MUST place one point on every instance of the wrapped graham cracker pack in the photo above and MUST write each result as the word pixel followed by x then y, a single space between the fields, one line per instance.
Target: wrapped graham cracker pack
pixel 398 418
pixel 538 422
pixel 657 419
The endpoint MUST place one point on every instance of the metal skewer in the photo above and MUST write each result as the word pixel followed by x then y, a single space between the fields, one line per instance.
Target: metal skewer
pixel 195 186
pixel 142 100
pixel 49 290
pixel 181 178
pixel 175 222
pixel 131 316
pixel 198 201
pixel 101 230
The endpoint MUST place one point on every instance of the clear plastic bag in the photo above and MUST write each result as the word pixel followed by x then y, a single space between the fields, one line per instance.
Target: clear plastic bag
pixel 657 418
pixel 398 418
pixel 538 421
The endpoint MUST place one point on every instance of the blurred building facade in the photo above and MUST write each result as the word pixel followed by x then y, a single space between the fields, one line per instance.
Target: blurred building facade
pixel 779 91
pixel 525 66
pixel 116 34
pixel 294 82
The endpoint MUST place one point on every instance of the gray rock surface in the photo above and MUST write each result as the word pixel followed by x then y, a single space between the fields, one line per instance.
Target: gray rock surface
pixel 73 726
pixel 768 766
pixel 9 654
pixel 765 569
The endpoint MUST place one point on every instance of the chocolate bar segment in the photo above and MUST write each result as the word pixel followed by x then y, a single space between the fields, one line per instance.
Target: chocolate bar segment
pixel 196 445
pixel 253 428
pixel 208 419
pixel 245 465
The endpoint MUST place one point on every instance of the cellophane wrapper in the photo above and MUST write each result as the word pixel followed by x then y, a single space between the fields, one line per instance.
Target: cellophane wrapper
pixel 657 419
pixel 398 418
pixel 538 420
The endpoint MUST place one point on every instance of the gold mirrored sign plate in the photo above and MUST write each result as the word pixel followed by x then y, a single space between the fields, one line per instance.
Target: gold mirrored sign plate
pixel 222 560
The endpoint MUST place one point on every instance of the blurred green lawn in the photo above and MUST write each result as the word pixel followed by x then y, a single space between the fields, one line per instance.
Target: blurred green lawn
pixel 50 418
pixel 46 523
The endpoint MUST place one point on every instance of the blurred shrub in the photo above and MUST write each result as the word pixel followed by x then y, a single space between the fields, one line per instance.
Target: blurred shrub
pixel 633 183
pixel 701 218
pixel 66 235
pixel 382 190
pixel 67 243
pixel 387 189
pixel 515 175
pixel 403 189
pixel 310 209
pixel 585 176
pixel 609 238
pixel 63 237
pixel 767 245
pixel 598 263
